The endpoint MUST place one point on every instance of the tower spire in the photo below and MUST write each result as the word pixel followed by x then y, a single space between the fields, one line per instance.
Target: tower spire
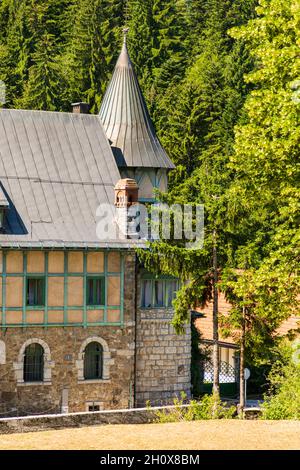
pixel 126 120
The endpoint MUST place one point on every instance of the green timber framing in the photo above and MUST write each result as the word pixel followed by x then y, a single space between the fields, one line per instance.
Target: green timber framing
pixel 65 275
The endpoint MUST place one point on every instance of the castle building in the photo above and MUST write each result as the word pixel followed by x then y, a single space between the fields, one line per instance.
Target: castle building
pixel 82 326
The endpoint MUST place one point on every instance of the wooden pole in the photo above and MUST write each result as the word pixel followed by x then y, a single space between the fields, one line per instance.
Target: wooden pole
pixel 242 365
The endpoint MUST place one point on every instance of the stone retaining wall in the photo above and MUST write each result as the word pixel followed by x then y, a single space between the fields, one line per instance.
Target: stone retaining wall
pixel 75 420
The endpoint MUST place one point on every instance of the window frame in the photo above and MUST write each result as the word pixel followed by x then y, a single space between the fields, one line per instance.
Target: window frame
pixel 2 218
pixel 167 284
pixel 166 281
pixel 100 353
pixel 41 366
pixel 102 291
pixel 155 294
pixel 43 295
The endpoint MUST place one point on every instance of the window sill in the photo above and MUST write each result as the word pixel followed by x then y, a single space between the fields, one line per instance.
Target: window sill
pixel 95 381
pixel 31 384
pixel 35 307
pixel 157 308
pixel 95 307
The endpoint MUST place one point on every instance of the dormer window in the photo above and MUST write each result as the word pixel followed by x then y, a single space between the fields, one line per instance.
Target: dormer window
pixel 4 206
pixel 2 215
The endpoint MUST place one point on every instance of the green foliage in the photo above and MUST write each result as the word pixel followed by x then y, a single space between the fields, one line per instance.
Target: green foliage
pixel 44 89
pixel 156 46
pixel 283 399
pixel 209 407
pixel 264 197
pixel 198 133
pixel 234 132
pixel 199 355
pixel 86 38
pixel 92 49
pixel 26 24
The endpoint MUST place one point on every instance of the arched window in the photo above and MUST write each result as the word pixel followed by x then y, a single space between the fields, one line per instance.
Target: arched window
pixel 93 361
pixel 33 370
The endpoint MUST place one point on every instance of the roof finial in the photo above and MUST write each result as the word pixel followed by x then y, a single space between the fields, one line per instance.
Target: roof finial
pixel 125 32
pixel 126 18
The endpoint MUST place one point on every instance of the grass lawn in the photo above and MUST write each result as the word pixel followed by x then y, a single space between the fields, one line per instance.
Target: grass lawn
pixel 199 435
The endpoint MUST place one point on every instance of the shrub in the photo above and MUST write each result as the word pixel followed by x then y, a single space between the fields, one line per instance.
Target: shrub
pixel 209 407
pixel 283 398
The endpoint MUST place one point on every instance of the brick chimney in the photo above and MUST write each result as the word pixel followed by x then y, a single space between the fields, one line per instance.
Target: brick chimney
pixel 126 193
pixel 126 196
pixel 80 108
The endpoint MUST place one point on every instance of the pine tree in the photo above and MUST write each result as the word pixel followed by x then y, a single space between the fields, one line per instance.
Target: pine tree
pixel 92 49
pixel 27 21
pixel 140 25
pixel 15 49
pixel 45 85
pixel 156 28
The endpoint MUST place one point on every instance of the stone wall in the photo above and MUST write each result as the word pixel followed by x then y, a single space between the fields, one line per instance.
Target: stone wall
pixel 63 387
pixel 65 344
pixel 75 420
pixel 163 358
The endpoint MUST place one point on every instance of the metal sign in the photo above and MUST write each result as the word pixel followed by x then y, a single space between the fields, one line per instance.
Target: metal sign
pixel 247 373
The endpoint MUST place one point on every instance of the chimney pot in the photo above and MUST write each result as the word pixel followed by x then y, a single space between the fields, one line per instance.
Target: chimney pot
pixel 80 108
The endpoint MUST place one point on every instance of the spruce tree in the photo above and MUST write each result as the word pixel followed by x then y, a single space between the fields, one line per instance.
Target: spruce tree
pixel 92 49
pixel 27 22
pixel 45 85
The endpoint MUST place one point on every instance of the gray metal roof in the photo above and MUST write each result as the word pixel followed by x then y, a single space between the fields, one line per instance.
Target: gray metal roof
pixel 55 170
pixel 126 120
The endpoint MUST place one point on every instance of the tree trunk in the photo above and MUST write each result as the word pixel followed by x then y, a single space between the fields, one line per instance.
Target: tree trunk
pixel 216 360
pixel 242 365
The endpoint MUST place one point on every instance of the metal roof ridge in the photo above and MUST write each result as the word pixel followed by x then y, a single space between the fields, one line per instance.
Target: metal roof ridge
pixel 59 113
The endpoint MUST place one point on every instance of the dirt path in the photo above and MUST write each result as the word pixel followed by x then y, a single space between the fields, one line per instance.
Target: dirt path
pixel 231 434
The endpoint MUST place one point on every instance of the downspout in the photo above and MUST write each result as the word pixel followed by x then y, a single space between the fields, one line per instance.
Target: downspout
pixel 135 330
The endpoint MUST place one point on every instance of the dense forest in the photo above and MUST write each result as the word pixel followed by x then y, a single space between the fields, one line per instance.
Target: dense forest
pixel 221 79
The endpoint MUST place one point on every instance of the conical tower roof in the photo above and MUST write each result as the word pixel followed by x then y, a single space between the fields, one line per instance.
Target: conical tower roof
pixel 126 120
